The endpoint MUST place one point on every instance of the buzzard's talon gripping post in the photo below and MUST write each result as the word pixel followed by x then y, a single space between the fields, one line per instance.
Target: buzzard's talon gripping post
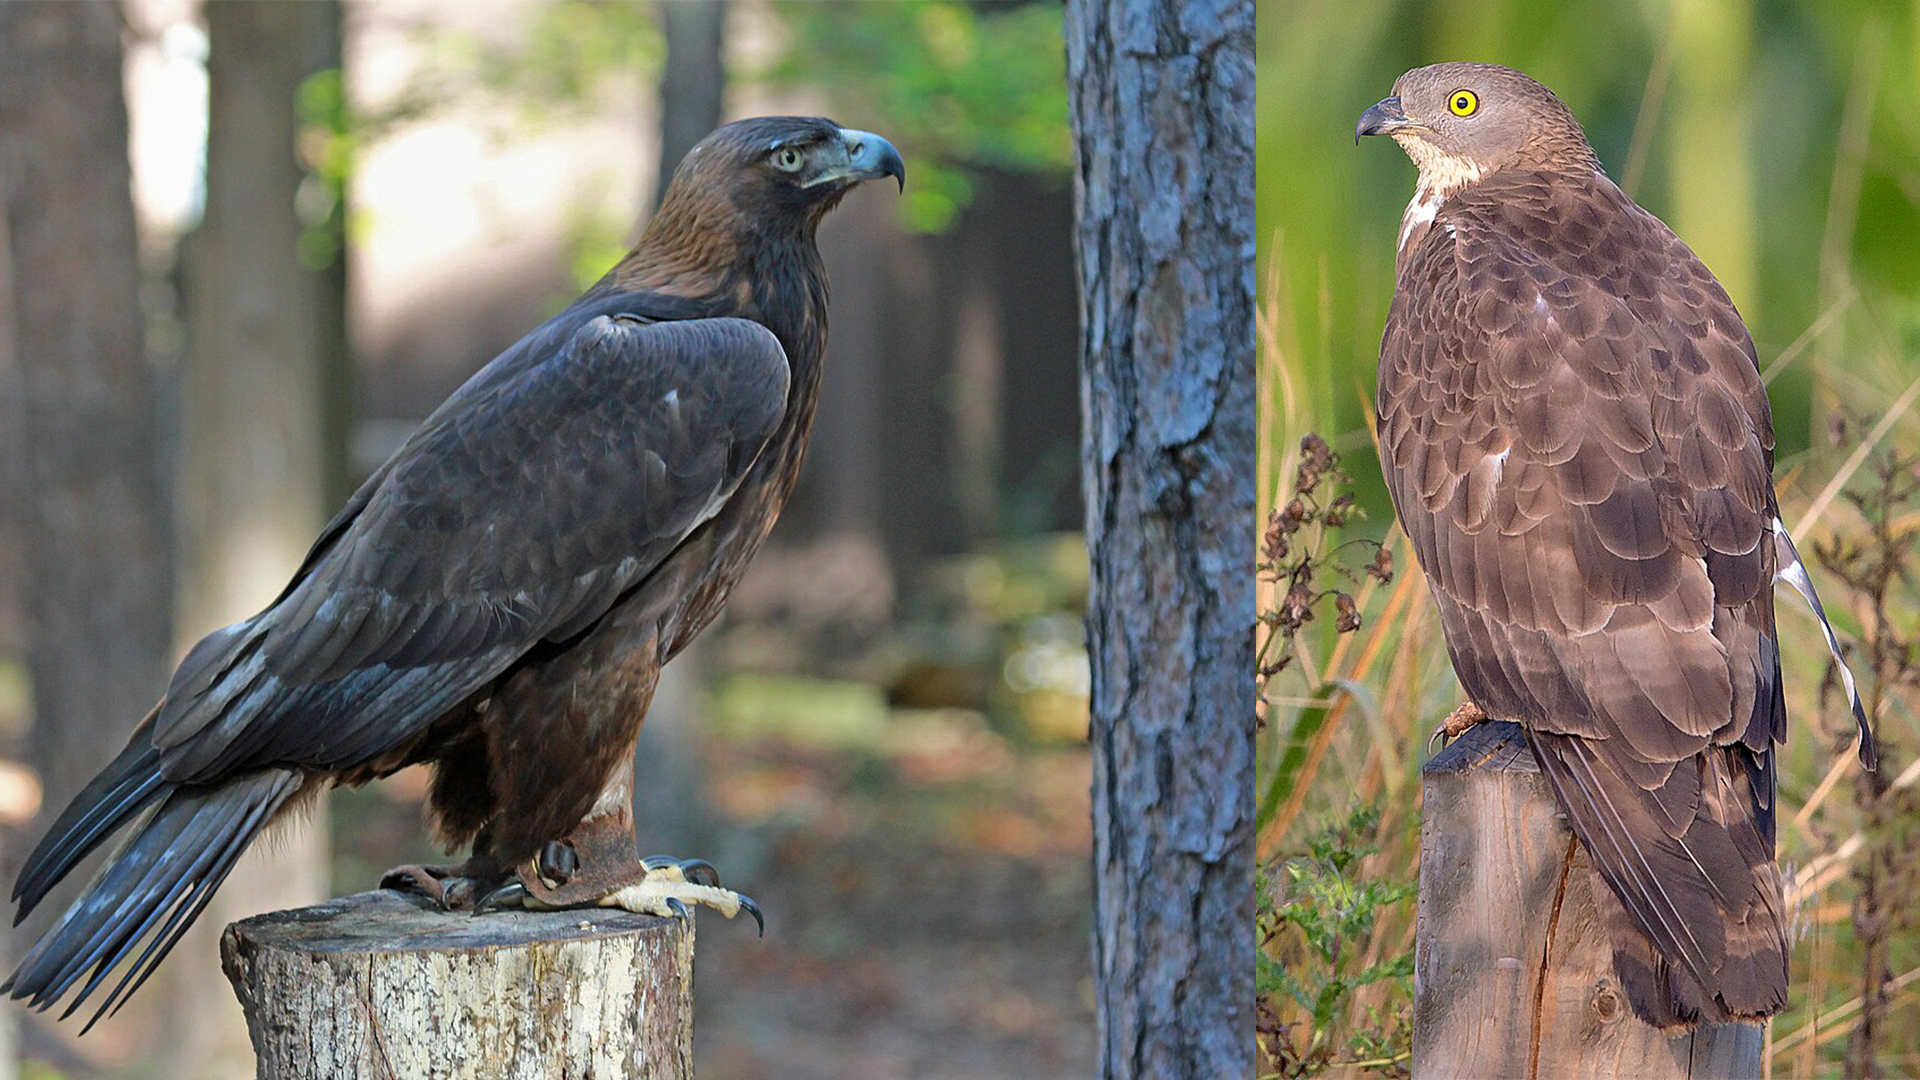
pixel 1464 716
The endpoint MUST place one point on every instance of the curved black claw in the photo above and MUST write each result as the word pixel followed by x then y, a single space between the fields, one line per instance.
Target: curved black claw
pixel 700 872
pixel 510 895
pixel 1439 736
pixel 747 905
pixel 679 910
pixel 697 871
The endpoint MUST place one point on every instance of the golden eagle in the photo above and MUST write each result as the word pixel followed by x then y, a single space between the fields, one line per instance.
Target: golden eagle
pixel 498 598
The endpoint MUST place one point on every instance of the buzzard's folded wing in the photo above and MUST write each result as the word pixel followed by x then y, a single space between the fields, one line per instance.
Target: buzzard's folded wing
pixel 1578 444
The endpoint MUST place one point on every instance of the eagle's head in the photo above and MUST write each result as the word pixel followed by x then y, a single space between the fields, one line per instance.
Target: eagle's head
pixel 777 171
pixel 1459 122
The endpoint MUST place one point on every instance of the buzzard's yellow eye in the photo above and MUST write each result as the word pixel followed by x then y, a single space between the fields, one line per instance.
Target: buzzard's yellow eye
pixel 1463 103
pixel 786 159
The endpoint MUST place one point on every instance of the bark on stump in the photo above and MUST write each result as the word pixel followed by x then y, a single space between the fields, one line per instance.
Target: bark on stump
pixel 1513 976
pixel 381 985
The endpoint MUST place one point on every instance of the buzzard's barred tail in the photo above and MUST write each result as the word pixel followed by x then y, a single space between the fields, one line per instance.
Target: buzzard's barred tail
pixel 1692 898
pixel 1646 977
pixel 1794 572
pixel 153 888
pixel 1749 989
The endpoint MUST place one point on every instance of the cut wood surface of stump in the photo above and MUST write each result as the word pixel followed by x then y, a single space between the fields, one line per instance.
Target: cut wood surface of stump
pixel 1513 973
pixel 382 985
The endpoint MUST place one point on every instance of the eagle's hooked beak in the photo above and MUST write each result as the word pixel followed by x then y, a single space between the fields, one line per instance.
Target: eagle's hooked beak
pixel 1384 118
pixel 869 157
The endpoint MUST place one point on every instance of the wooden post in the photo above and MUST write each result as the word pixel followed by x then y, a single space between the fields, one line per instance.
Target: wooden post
pixel 1513 976
pixel 380 985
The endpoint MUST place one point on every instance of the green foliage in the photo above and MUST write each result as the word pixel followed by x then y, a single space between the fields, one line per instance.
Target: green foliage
pixel 597 237
pixel 958 86
pixel 955 85
pixel 560 62
pixel 1019 602
pixel 328 143
pixel 1315 914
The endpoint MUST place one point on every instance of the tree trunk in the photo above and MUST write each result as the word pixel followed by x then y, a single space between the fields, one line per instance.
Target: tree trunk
pixel 92 514
pixel 380 986
pixel 693 82
pixel 254 446
pixel 83 449
pixel 1161 98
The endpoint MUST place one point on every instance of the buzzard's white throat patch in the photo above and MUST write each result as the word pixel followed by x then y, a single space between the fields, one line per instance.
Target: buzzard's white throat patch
pixel 1440 176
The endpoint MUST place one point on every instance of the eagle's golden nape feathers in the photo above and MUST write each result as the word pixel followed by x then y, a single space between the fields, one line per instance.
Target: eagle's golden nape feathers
pixel 1577 441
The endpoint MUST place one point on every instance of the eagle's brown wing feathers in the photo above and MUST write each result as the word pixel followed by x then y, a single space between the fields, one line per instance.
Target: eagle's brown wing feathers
pixel 517 514
pixel 1578 443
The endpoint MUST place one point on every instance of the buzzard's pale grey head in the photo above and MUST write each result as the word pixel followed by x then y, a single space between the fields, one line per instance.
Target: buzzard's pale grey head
pixel 1459 122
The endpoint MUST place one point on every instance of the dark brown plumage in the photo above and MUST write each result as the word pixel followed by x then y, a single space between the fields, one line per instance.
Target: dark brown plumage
pixel 498 598
pixel 1578 444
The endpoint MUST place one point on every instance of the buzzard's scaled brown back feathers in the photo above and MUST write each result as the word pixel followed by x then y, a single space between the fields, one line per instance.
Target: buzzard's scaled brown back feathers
pixel 1578 443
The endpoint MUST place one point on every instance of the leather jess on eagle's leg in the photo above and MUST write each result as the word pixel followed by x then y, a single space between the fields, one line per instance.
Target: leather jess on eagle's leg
pixel 496 601
pixel 1577 441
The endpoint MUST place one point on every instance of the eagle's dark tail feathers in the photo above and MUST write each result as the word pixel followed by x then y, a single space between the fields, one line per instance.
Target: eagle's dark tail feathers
pixel 154 886
pixel 130 784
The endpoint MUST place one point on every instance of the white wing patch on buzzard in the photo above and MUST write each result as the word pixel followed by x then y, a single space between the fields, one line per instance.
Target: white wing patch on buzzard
pixel 1794 572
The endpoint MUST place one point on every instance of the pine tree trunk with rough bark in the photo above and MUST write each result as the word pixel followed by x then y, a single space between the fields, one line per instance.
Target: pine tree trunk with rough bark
pixel 1162 108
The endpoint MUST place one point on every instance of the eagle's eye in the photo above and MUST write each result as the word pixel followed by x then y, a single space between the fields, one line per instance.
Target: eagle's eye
pixel 787 159
pixel 1463 103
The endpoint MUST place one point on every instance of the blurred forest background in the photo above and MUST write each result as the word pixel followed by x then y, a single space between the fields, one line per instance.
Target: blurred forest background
pixel 1781 140
pixel 341 209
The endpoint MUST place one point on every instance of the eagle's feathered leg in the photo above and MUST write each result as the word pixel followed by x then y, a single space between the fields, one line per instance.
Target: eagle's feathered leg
pixel 1464 716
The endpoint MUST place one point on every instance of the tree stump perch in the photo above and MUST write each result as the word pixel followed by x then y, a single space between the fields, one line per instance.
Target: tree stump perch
pixel 1513 975
pixel 383 985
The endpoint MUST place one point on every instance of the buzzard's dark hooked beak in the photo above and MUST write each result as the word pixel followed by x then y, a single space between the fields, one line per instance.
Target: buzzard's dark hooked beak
pixel 870 157
pixel 1384 118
